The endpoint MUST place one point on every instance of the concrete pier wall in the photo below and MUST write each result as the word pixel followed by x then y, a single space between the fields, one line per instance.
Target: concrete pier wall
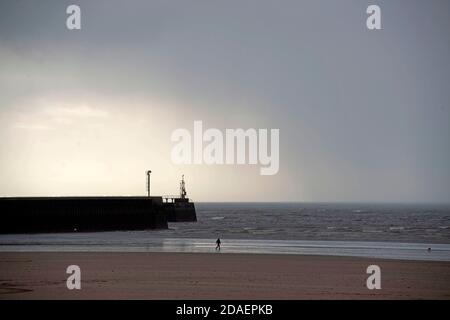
pixel 68 214
pixel 180 211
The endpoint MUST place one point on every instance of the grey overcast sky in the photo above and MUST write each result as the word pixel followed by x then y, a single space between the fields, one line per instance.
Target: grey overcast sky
pixel 363 115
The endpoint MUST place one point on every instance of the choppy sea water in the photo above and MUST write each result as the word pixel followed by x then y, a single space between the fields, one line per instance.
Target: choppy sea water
pixel 365 230
pixel 314 221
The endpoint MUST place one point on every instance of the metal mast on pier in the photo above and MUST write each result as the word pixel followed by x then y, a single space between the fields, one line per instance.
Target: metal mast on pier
pixel 148 182
pixel 182 188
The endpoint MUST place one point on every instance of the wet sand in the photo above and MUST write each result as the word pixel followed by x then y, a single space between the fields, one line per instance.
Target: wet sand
pixel 216 276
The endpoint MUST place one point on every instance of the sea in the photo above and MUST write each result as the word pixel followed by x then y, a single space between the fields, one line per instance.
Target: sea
pixel 388 231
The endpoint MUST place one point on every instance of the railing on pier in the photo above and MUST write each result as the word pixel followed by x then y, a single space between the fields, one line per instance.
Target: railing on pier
pixel 170 198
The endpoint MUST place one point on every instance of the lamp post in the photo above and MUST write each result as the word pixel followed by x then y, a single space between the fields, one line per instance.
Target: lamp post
pixel 148 182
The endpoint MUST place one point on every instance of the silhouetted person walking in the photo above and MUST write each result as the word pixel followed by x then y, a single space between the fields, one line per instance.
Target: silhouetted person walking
pixel 218 244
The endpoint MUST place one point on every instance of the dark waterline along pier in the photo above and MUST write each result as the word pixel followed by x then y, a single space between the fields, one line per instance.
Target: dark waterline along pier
pixel 84 214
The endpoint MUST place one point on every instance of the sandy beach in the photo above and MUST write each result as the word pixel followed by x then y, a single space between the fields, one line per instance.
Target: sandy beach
pixel 216 276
